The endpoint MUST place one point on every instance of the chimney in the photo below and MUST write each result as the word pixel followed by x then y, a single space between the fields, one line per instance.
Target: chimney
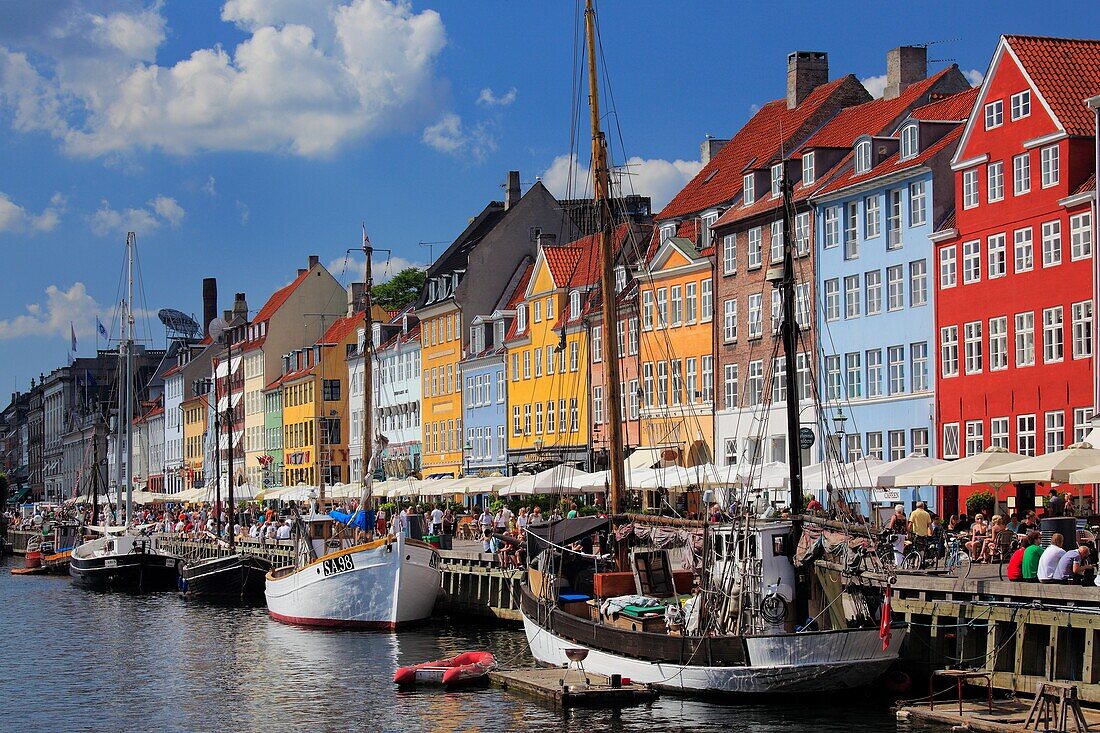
pixel 355 298
pixel 806 71
pixel 905 66
pixel 301 271
pixel 511 195
pixel 710 148
pixel 240 307
pixel 546 239
pixel 209 302
pixel 313 260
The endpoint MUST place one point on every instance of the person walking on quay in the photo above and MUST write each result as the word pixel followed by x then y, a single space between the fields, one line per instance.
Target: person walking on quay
pixel 1074 566
pixel 920 521
pixel 898 527
pixel 1056 504
pixel 1048 563
pixel 485 520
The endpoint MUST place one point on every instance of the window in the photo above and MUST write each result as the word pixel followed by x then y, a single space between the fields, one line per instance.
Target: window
pixel 1052 243
pixel 832 300
pixel 895 369
pixel 1022 244
pixel 527 419
pixel 972 343
pixel 677 382
pixel 676 293
pixel 538 362
pixel 756 317
pixel 949 350
pixel 1025 339
pixel 918 439
pixel 1052 334
pixel 1025 435
pixel 951 440
pixel 729 329
pixel 972 261
pixel 521 317
pixel 918 358
pixel 874 373
pixel 574 416
pixel 515 366
pixel 874 445
pixel 872 281
pixel 647 310
pixel 647 381
pixel 851 230
pixel 776 253
pixel 550 359
pixel 708 378
pixel 832 226
pixel 633 399
pixel 998 432
pixel 918 204
pixel 755 254
pixel 1020 104
pixel 562 417
pixel 947 267
pixel 597 405
pixel 995 181
pixel 805 384
pixel 897 444
pixel 918 283
pixel 536 310
pixel 863 156
pixel 893 219
pixel 500 386
pixel 910 141
pixel 1082 423
pixel 779 379
pixel 994 114
pixel 1080 236
pixel 691 366
pixel 597 343
pixel 729 386
pixel 706 302
pixel 975 438
pixel 729 254
pixel 1082 329
pixel 998 343
pixel 851 296
pixel 970 188
pixel 832 378
pixel 1049 165
pixel 538 412
pixel 853 375
pixel 1055 431
pixel 692 308
pixel 573 354
pixel 574 305
pixel 895 288
pixel 620 280
pixel 551 417
pixel 777 179
pixel 632 332
pixel 526 364
pixel 802 233
pixel 808 172
pixel 1021 174
pixel 802 305
pixel 872 217
pixel 756 382
pixel 705 225
pixel 995 246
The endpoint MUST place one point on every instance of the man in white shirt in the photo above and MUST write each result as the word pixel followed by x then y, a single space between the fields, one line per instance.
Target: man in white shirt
pixel 284 531
pixel 485 520
pixel 504 517
pixel 437 521
pixel 1048 563
pixel 403 521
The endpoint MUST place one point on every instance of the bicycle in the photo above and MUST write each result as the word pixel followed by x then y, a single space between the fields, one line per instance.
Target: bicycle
pixel 946 552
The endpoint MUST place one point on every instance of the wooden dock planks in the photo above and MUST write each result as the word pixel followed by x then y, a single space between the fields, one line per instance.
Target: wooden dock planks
pixel 546 684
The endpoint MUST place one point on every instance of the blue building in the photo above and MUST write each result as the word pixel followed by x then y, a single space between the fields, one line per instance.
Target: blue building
pixel 876 220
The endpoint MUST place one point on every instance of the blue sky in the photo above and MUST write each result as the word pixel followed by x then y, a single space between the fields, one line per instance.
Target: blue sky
pixel 238 137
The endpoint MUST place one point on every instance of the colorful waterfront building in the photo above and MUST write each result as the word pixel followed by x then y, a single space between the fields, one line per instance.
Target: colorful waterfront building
pixel 1015 272
pixel 271 463
pixel 195 421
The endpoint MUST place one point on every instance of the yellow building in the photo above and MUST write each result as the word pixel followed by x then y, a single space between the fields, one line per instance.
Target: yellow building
pixel 547 358
pixel 440 352
pixel 677 352
pixel 194 439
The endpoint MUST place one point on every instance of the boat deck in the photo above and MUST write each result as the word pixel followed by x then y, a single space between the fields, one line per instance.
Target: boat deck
pixel 1008 715
pixel 567 688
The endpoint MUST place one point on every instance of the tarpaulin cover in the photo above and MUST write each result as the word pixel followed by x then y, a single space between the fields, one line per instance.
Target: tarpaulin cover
pixel 357 520
pixel 663 538
pixel 562 532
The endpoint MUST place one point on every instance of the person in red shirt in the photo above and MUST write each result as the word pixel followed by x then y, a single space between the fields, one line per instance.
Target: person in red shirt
pixel 1016 562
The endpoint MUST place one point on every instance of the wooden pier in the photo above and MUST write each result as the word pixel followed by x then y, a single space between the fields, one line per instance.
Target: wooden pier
pixel 475 584
pixel 568 688
pixel 277 552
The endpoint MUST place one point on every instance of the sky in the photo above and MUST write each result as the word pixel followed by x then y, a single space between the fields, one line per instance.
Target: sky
pixel 238 137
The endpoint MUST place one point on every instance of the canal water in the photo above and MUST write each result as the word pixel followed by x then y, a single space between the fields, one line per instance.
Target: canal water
pixel 77 660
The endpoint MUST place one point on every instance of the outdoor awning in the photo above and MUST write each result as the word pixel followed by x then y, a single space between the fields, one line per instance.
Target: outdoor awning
pixel 223 403
pixel 558 479
pixel 221 372
pixel 643 458
pixel 21 495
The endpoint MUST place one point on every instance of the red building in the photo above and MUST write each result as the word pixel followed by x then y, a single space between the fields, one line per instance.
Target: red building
pixel 1014 285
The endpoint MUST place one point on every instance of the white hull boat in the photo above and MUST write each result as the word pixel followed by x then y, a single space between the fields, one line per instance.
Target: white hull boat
pixel 378 585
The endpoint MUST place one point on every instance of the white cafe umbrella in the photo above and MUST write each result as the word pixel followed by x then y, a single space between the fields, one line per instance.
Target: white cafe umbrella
pixel 1056 467
pixel 961 472
pixel 889 472
pixel 556 479
pixel 701 476
pixel 769 476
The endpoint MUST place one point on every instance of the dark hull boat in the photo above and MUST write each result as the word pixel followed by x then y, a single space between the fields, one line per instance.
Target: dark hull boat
pixel 120 563
pixel 230 578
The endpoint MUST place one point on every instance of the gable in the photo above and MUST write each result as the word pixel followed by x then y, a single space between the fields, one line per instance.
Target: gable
pixel 542 280
pixel 670 256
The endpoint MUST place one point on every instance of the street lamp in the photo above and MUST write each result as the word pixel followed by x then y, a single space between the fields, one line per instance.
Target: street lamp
pixel 839 420
pixel 467 448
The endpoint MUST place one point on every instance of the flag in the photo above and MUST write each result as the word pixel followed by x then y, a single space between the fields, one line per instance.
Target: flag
pixel 884 628
pixel 89 379
pixel 101 329
pixel 72 334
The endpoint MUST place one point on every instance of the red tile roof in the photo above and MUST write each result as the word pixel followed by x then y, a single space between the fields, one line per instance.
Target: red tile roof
pixel 889 166
pixel 1088 185
pixel 1066 72
pixel 955 108
pixel 521 288
pixel 772 128
pixel 342 327
pixel 173 370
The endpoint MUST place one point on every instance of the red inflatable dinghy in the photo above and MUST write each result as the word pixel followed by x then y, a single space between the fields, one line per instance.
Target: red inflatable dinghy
pixel 465 669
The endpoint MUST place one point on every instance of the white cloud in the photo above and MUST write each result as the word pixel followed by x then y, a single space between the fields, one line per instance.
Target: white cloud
pixel 311 76
pixel 210 187
pixel 659 179
pixel 488 99
pixel 875 85
pixel 52 318
pixel 350 267
pixel 159 211
pixel 974 76
pixel 451 136
pixel 15 218
pixel 243 211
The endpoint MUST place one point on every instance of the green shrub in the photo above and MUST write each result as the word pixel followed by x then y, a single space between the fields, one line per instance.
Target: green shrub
pixel 980 501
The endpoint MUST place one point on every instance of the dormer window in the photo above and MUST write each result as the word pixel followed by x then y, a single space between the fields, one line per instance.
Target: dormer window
pixel 574 305
pixel 910 141
pixel 863 156
pixel 668 231
pixel 777 179
pixel 749 189
pixel 521 317
pixel 620 279
pixel 707 222
pixel 499 328
pixel 808 172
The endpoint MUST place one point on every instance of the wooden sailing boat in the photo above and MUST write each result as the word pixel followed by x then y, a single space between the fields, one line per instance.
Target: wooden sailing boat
pixel 381 584
pixel 125 558
pixel 745 630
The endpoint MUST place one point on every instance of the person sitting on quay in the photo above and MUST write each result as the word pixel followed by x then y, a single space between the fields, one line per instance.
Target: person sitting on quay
pixel 1016 562
pixel 1048 563
pixel 283 533
pixel 1074 567
pixel 536 517
pixel 990 545
pixel 977 536
pixel 1031 522
pixel 1013 525
pixel 1032 555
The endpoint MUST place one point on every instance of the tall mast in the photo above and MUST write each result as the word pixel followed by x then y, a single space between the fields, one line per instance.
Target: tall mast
pixel 602 202
pixel 229 437
pixel 368 378
pixel 789 333
pixel 130 242
pixel 120 416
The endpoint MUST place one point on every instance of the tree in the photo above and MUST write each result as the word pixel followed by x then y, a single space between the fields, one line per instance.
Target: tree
pixel 400 291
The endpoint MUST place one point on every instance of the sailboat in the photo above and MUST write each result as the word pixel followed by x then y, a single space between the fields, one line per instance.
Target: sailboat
pixel 746 630
pixel 124 557
pixel 382 584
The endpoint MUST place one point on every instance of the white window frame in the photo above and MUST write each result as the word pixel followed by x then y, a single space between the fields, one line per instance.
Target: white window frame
pixel 895 287
pixel 949 351
pixel 1052 243
pixel 918 204
pixel 996 253
pixel 729 254
pixel 998 343
pixel 972 347
pixel 832 299
pixel 972 261
pixel 832 227
pixel 970 188
pixel 1080 236
pixel 748 195
pixel 1053 335
pixel 1024 339
pixel 948 268
pixel 994 114
pixel 1020 105
pixel 872 289
pixel 1050 165
pixel 1023 250
pixel 755 248
pixel 808 172
pixel 852 297
pixel 995 181
pixel 729 320
pixel 910 141
pixel 1025 435
pixel 1021 173
pixel 863 157
pixel 1081 315
pixel 872 216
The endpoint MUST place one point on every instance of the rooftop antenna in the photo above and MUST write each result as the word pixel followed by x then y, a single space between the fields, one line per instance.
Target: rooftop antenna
pixel 431 249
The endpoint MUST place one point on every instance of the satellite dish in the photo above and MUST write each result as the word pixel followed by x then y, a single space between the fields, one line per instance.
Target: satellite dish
pixel 218 327
pixel 179 322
